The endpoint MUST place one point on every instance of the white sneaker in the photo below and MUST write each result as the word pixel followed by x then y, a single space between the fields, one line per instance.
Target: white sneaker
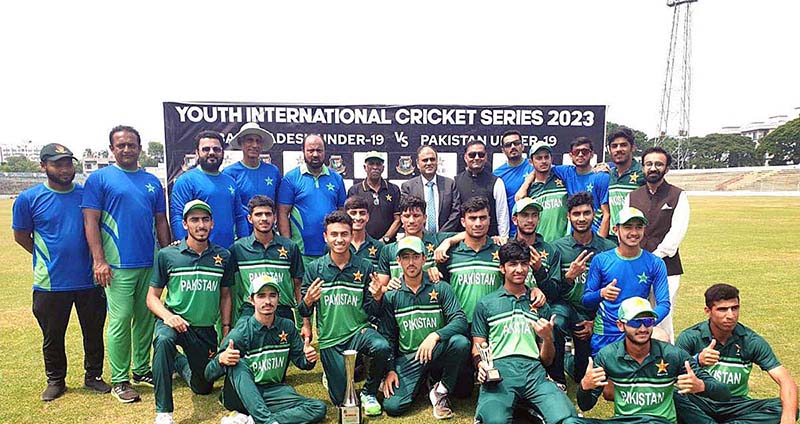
pixel 164 418
pixel 234 417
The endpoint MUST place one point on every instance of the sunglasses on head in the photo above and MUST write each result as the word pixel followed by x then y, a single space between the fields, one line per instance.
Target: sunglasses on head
pixel 638 322
pixel 473 155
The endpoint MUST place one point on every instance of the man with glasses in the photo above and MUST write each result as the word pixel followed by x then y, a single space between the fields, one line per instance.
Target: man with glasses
pixel 625 272
pixel 383 199
pixel 515 170
pixel 477 181
pixel 442 200
pixel 667 209
pixel 206 183
pixel 548 190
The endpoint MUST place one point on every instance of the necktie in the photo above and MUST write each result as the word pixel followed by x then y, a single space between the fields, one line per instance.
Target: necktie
pixel 430 209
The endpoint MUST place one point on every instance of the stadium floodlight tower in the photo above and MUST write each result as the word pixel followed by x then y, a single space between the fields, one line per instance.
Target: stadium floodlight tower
pixel 676 95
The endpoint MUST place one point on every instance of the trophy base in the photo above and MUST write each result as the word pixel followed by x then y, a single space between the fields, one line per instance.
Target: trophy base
pixel 493 376
pixel 350 414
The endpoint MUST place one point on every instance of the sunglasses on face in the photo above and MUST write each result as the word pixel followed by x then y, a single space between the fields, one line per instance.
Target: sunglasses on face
pixel 585 152
pixel 207 149
pixel 473 155
pixel 638 322
pixel 512 144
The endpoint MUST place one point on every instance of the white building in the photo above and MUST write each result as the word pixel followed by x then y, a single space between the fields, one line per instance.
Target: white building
pixel 28 150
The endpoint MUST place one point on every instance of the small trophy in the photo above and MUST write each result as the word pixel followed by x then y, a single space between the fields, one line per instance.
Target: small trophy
pixel 350 411
pixel 492 374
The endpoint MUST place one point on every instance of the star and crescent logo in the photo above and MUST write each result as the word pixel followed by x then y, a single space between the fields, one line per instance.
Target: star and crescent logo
pixel 429 247
pixel 434 295
pixel 218 259
pixel 662 366
pixel 496 255
pixel 634 177
pixel 357 276
pixel 372 251
pixel 559 182
pixel 284 337
pixel 283 253
pixel 388 197
pixel 642 278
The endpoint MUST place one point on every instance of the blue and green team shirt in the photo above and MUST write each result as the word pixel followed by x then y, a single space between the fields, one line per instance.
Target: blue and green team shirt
pixel 736 356
pixel 595 183
pixel 513 177
pixel 635 277
pixel 219 191
pixel 311 199
pixel 128 202
pixel 263 180
pixel 61 258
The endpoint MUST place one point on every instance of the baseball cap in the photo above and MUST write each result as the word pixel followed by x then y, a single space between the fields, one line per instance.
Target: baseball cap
pixel 635 307
pixel 525 203
pixel 628 214
pixel 372 154
pixel 54 152
pixel 541 144
pixel 196 204
pixel 411 243
pixel 253 128
pixel 263 281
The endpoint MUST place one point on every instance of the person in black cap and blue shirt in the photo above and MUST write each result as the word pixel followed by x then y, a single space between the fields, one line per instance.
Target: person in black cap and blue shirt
pixel 48 223
pixel 383 199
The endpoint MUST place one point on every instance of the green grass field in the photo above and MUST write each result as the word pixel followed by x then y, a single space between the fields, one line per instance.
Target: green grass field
pixel 752 243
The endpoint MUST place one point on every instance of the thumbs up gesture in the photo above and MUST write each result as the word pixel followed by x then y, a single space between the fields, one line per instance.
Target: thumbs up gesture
pixel 611 291
pixel 594 377
pixel 709 356
pixel 689 383
pixel 309 351
pixel 230 356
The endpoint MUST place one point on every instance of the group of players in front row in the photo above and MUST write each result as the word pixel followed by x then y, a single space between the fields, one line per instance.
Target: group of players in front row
pixel 421 308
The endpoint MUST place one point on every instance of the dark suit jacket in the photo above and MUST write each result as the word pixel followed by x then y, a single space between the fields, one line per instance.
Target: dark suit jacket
pixel 449 209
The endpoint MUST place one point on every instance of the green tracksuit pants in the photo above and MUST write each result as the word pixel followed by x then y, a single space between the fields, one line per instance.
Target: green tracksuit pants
pixel 130 323
pixel 446 358
pixel 268 403
pixel 198 343
pixel 523 379
pixel 367 342
pixel 692 409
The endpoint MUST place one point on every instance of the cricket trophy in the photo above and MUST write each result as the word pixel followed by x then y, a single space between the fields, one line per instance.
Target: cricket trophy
pixel 350 411
pixel 492 373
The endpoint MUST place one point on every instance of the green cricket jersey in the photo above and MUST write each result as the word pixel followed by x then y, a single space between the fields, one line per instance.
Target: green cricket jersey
pixel 548 276
pixel 345 304
pixel 737 355
pixel 619 186
pixel 472 274
pixel 552 195
pixel 193 281
pixel 387 264
pixel 568 250
pixel 281 259
pixel 266 350
pixel 505 321
pixel 410 317
pixel 647 388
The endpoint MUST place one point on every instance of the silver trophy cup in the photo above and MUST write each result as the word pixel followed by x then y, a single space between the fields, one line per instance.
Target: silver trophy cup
pixel 350 411
pixel 492 373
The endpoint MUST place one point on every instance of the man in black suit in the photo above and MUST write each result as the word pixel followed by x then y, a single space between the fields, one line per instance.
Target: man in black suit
pixel 443 202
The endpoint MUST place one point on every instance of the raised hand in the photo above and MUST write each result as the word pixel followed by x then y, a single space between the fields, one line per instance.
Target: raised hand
pixel 611 291
pixel 230 356
pixel 314 292
pixel 594 377
pixel 376 288
pixel 689 383
pixel 544 328
pixel 536 259
pixel 309 351
pixel 394 284
pixel 709 355
pixel 578 266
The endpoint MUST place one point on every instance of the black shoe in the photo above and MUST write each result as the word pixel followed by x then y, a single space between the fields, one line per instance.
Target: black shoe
pixel 96 384
pixel 144 379
pixel 124 393
pixel 54 391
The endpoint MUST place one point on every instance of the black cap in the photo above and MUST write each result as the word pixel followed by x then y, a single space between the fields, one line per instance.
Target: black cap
pixel 54 152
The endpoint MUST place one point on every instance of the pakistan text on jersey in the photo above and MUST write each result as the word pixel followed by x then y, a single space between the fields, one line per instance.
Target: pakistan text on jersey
pixel 340 299
pixel 476 279
pixel 637 398
pixel 517 327
pixel 268 364
pixel 278 276
pixel 420 323
pixel 199 284
pixel 727 377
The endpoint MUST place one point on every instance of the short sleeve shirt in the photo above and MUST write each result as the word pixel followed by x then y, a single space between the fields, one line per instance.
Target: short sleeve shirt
pixel 382 205
pixel 473 274
pixel 280 259
pixel 505 321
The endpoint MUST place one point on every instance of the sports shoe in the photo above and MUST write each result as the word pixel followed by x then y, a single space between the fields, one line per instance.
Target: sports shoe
pixel 370 404
pixel 124 393
pixel 237 418
pixel 96 384
pixel 441 404
pixel 144 379
pixel 164 418
pixel 54 391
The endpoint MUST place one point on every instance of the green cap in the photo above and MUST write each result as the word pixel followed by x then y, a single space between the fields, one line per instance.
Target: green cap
pixel 411 243
pixel 525 203
pixel 196 204
pixel 628 214
pixel 541 144
pixel 262 281
pixel 635 307
pixel 54 152
pixel 372 154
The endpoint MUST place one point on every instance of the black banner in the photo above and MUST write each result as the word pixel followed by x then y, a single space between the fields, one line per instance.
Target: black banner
pixel 397 131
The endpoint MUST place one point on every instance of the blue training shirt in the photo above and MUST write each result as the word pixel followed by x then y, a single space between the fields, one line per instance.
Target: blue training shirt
pixel 513 177
pixel 61 258
pixel 219 191
pixel 128 202
pixel 635 277
pixel 263 180
pixel 595 183
pixel 312 198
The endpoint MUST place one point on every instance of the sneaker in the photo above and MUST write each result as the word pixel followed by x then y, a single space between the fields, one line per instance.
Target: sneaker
pixel 96 384
pixel 164 418
pixel 144 379
pixel 124 393
pixel 370 404
pixel 54 391
pixel 237 418
pixel 441 404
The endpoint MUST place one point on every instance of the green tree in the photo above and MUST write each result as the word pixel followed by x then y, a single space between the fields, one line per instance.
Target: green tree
pixel 782 145
pixel 721 151
pixel 156 151
pixel 20 164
